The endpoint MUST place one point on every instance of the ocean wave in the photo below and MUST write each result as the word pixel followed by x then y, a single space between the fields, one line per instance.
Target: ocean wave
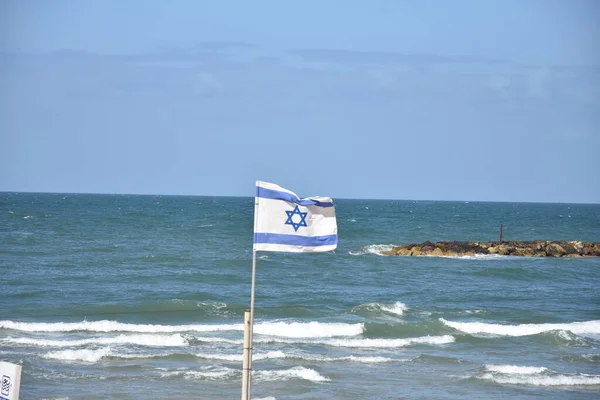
pixel 589 358
pixel 224 373
pixel 428 358
pixel 475 312
pixel 365 343
pixel 391 343
pixel 86 355
pixel 482 257
pixel 206 339
pixel 372 249
pixel 95 355
pixel 288 374
pixel 210 373
pixel 280 355
pixel 142 340
pixel 580 328
pixel 284 329
pixel 396 308
pixel 210 306
pixel 515 369
pixel 270 355
pixel 308 329
pixel 544 380
pixel 534 376
pixel 113 326
pixel 563 338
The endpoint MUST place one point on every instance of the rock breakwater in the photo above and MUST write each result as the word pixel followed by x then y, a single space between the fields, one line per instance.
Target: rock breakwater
pixel 535 248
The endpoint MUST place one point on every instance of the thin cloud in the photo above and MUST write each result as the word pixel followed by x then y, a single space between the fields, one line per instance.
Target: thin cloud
pixel 206 84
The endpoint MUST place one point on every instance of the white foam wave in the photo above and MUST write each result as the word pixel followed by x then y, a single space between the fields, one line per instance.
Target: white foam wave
pixel 396 308
pixel 482 257
pixel 270 355
pixel 97 355
pixel 133 356
pixel 372 249
pixel 208 339
pixel 238 357
pixel 365 343
pixel 308 329
pixel 142 340
pixel 567 336
pixel 368 360
pixel 209 305
pixel 279 355
pixel 288 374
pixel 591 357
pixel 579 328
pixel 514 369
pixel 293 329
pixel 55 398
pixel 211 373
pixel 113 326
pixel 545 380
pixel 78 355
pixel 391 343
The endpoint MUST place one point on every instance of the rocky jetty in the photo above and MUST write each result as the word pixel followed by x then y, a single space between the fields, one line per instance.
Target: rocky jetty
pixel 535 248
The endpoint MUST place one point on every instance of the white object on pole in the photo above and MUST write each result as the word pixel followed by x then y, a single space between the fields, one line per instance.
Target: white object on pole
pixel 247 358
pixel 10 375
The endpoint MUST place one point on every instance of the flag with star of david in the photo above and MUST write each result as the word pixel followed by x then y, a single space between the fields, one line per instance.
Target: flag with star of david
pixel 285 222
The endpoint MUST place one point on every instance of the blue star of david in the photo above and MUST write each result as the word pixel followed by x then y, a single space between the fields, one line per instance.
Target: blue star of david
pixel 290 220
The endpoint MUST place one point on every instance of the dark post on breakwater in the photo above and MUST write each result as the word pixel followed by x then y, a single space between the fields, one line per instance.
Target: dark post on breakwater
pixel 500 233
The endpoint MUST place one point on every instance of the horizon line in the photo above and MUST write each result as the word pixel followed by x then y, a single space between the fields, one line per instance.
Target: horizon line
pixel 251 196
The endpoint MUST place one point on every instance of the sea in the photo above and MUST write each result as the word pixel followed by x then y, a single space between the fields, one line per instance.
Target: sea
pixel 143 297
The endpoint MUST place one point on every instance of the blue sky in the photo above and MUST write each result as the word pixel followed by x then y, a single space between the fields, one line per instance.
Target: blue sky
pixel 436 100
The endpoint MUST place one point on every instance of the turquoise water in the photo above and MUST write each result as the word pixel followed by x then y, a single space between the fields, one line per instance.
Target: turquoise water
pixel 129 297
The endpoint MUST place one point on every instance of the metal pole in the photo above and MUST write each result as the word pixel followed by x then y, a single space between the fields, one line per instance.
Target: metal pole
pixel 500 233
pixel 249 326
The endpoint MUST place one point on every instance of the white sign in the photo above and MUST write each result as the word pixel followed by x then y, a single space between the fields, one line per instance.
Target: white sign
pixel 10 375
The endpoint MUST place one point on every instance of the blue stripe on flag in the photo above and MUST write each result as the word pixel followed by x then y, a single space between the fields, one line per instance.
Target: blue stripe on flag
pixel 277 195
pixel 295 240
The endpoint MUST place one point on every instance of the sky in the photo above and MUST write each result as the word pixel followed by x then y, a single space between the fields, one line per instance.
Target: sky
pixel 416 100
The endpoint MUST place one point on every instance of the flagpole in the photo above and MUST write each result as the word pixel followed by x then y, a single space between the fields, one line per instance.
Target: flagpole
pixel 248 338
pixel 251 323
pixel 249 326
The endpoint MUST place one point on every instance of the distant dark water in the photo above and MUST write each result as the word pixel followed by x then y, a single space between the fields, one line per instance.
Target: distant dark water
pixel 113 296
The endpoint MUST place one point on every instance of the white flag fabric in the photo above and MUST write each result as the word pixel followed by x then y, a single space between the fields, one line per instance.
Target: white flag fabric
pixel 285 222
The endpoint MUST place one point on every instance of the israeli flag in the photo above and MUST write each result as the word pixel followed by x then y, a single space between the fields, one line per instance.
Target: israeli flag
pixel 285 222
